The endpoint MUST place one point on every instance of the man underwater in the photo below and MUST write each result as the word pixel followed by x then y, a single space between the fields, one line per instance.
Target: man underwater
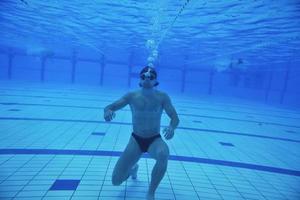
pixel 146 106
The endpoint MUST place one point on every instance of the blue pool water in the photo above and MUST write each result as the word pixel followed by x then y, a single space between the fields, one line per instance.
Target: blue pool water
pixel 231 71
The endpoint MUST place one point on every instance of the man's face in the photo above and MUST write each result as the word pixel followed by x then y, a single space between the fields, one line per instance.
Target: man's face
pixel 147 80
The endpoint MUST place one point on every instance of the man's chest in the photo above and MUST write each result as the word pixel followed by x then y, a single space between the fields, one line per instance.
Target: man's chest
pixel 142 103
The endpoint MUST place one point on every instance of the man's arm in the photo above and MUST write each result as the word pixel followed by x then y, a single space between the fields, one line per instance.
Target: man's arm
pixel 171 112
pixel 117 105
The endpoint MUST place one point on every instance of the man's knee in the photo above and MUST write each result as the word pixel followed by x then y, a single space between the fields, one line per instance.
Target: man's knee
pixel 116 180
pixel 162 156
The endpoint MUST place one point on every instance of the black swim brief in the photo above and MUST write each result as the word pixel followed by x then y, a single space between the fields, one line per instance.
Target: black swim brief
pixel 144 143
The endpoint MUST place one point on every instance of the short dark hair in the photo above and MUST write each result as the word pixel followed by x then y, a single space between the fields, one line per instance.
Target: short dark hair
pixel 152 70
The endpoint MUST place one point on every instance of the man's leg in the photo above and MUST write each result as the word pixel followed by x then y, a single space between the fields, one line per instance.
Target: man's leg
pixel 160 152
pixel 126 162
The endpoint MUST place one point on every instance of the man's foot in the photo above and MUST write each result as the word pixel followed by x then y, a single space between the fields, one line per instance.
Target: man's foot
pixel 134 170
pixel 150 196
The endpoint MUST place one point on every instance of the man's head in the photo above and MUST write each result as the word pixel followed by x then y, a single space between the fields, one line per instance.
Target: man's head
pixel 148 77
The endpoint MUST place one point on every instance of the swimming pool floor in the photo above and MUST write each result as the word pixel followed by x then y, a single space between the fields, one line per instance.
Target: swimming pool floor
pixel 55 144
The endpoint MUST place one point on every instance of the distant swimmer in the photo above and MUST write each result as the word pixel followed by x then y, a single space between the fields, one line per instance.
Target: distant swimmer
pixel 147 105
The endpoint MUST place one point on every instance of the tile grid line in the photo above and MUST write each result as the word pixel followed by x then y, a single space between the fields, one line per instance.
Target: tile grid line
pixel 187 147
pixel 180 114
pixel 210 131
pixel 172 157
pixel 46 133
pixel 66 166
pixel 228 179
pixel 34 129
pixel 239 172
pixel 22 126
pixel 167 173
pixel 6 160
pixel 64 132
pixel 90 160
pixel 262 177
pixel 7 130
pixel 181 163
pixel 3 163
pixel 40 170
pixel 247 179
pixel 109 162
pixel 62 171
pixel 110 158
pixel 38 96
pixel 18 168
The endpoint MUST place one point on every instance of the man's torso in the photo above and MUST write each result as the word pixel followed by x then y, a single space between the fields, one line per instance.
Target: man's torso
pixel 146 113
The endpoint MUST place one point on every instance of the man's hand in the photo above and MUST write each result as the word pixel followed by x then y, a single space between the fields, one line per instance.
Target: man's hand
pixel 109 115
pixel 168 132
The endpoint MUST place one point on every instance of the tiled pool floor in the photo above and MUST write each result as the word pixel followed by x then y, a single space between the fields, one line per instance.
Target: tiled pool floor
pixel 55 144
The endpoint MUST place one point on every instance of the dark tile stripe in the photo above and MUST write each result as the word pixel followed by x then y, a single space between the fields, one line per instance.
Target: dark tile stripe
pixel 98 133
pixel 181 114
pixel 243 134
pixel 172 157
pixel 65 184
pixel 226 144
pixel 124 123
pixel 241 120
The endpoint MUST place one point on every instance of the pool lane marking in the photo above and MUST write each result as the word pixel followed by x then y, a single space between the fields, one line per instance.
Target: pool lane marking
pixel 171 157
